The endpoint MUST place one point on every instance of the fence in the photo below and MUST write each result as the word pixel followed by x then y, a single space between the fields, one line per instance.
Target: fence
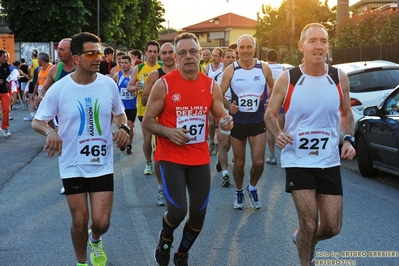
pixel 389 52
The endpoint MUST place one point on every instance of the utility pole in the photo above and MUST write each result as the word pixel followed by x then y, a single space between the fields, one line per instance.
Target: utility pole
pixel 342 10
pixel 98 18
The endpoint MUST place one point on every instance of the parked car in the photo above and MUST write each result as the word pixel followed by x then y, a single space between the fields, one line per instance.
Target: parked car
pixel 370 83
pixel 287 66
pixel 377 137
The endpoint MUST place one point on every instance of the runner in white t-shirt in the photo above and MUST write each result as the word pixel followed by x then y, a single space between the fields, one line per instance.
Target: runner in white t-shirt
pixel 84 102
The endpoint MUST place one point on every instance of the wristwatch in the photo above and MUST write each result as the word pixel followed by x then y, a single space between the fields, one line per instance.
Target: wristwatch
pixel 125 127
pixel 351 139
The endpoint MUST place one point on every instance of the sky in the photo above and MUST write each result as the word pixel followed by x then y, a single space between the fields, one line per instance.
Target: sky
pixel 183 13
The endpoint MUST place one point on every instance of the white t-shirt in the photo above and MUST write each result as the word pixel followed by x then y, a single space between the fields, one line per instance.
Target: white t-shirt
pixel 217 76
pixel 84 117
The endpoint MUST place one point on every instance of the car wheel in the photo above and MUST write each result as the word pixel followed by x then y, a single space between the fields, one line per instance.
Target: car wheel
pixel 364 161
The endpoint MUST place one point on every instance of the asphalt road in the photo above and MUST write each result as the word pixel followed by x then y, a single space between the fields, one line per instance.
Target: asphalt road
pixel 35 220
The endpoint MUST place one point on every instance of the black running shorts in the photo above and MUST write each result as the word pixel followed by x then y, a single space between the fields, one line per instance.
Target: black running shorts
pixel 323 180
pixel 77 185
pixel 131 114
pixel 243 131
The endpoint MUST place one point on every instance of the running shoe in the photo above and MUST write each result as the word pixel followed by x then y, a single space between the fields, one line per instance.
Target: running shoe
pixel 180 259
pixel 162 251
pixel 293 236
pixel 211 148
pixel 98 257
pixel 214 150
pixel 239 202
pixel 82 264
pixel 218 166
pixel 129 150
pixel 6 132
pixel 253 198
pixel 148 169
pixel 226 180
pixel 161 201
pixel 271 160
pixel 29 118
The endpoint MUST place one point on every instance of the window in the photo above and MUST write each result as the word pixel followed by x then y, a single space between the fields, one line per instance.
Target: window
pixel 382 79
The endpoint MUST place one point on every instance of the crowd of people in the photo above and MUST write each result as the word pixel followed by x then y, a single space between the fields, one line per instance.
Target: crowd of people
pixel 189 101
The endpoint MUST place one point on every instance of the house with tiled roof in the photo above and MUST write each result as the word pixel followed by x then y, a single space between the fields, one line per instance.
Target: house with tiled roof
pixel 222 30
pixel 370 5
pixel 168 37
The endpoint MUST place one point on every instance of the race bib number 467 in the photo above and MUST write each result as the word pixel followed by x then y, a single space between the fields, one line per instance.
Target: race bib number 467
pixel 196 125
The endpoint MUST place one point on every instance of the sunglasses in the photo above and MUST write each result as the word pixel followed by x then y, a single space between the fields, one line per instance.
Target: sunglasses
pixel 91 54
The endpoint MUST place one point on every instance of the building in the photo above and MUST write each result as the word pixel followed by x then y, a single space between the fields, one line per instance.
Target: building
pixel 222 30
pixel 371 5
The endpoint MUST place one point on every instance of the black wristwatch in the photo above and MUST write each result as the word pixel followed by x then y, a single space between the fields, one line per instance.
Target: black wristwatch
pixel 351 139
pixel 125 127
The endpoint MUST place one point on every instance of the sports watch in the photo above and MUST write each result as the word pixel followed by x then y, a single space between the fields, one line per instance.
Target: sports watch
pixel 351 139
pixel 125 127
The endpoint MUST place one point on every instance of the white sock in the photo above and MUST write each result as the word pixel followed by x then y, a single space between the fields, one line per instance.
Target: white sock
pixel 92 240
pixel 251 188
pixel 225 172
pixel 160 187
pixel 32 113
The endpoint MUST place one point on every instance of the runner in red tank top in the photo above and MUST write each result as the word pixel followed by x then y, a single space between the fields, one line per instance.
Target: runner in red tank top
pixel 182 101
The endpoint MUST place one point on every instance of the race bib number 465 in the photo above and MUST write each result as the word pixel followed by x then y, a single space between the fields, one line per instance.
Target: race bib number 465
pixel 313 143
pixel 92 150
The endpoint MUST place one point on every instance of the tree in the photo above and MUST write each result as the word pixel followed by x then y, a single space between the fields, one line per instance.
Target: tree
pixel 275 30
pixel 127 23
pixel 368 28
pixel 44 21
pixel 148 23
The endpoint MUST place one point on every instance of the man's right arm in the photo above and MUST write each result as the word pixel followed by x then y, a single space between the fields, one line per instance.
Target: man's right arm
pixel 274 106
pixel 151 79
pixel 225 84
pixel 133 80
pixel 49 80
pixel 156 104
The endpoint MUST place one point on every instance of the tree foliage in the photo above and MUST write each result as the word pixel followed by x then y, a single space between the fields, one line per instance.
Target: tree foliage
pixel 275 28
pixel 368 28
pixel 43 21
pixel 126 23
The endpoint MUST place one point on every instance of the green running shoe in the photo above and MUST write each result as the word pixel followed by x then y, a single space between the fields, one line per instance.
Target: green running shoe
pixel 98 257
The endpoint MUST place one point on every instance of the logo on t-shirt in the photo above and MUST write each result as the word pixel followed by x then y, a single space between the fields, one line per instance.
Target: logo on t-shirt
pixel 176 97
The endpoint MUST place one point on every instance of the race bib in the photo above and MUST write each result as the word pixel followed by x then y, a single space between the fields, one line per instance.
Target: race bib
pixel 248 103
pixel 92 150
pixel 196 125
pixel 126 95
pixel 313 143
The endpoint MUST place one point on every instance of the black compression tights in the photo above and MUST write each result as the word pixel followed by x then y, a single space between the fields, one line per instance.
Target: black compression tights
pixel 176 178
